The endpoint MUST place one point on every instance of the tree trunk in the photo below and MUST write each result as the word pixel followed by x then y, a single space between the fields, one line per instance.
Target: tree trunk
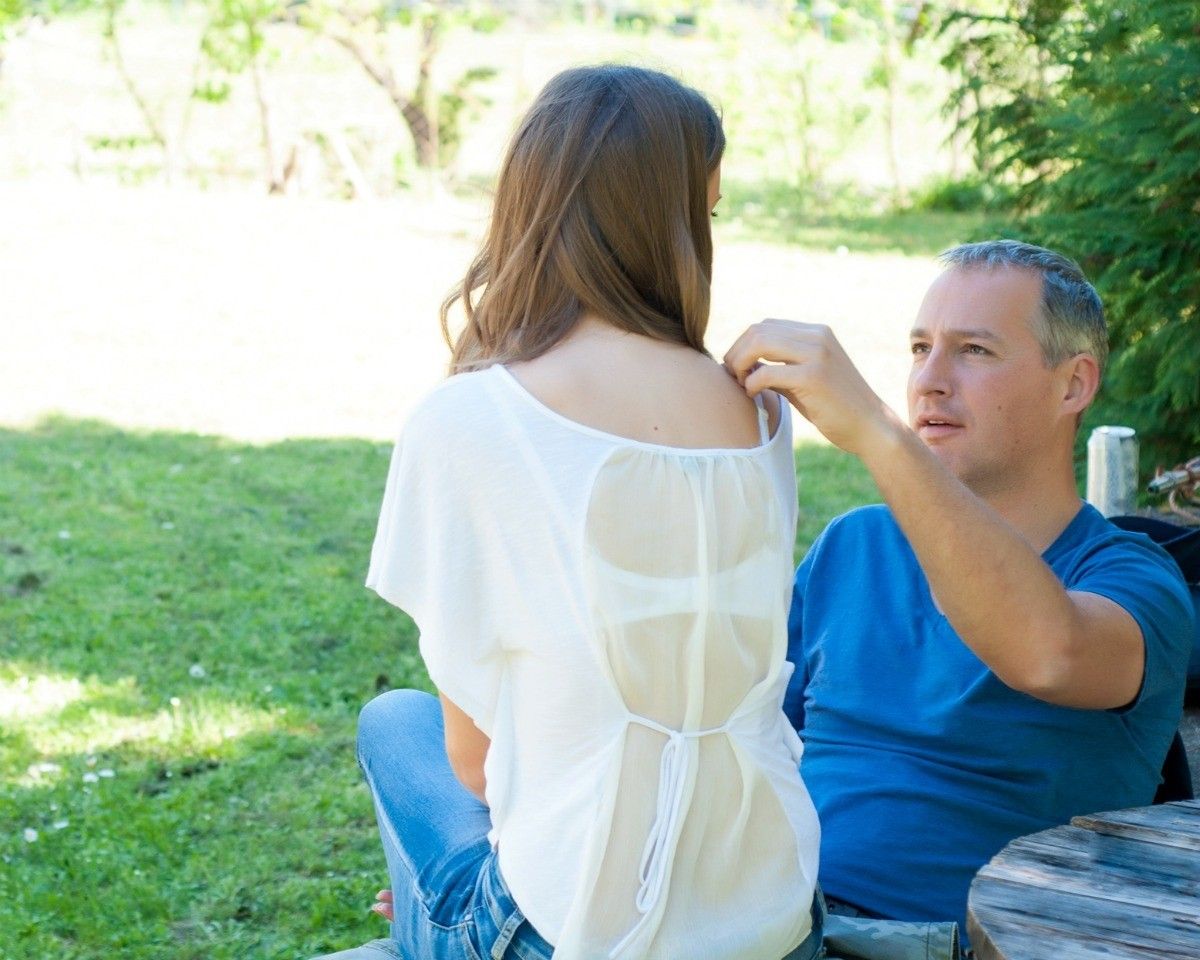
pixel 801 83
pixel 890 63
pixel 153 125
pixel 274 183
pixel 411 110
pixel 428 148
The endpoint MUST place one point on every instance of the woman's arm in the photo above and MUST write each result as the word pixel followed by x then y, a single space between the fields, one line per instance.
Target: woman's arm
pixel 466 746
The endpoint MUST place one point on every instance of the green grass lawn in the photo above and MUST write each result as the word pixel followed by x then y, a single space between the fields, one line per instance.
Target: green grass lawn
pixel 185 643
pixel 781 213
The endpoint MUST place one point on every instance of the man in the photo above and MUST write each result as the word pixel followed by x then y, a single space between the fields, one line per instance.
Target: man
pixel 983 656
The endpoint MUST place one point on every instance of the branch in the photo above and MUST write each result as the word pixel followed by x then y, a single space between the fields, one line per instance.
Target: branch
pixel 110 34
pixel 381 73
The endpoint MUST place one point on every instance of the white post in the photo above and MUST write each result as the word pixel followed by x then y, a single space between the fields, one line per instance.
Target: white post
pixel 1112 470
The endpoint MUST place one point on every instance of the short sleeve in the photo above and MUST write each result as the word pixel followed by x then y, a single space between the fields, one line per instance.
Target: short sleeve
pixel 1141 577
pixel 793 698
pixel 430 557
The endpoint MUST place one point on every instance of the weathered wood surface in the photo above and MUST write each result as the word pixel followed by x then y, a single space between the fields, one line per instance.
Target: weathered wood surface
pixel 1112 886
pixel 1172 824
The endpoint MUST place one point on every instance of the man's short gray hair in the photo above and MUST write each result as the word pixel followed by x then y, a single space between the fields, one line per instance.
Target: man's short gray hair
pixel 1071 320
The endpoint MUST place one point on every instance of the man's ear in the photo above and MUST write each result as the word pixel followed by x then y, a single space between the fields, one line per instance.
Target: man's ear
pixel 1081 380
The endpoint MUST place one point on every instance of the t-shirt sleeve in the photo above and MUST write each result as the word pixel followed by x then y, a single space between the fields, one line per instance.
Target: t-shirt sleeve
pixel 793 698
pixel 429 559
pixel 1141 578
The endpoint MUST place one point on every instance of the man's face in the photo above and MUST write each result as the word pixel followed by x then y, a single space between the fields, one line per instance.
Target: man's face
pixel 979 393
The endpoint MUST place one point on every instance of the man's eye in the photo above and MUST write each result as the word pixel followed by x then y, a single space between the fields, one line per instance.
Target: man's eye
pixel 920 348
pixel 976 349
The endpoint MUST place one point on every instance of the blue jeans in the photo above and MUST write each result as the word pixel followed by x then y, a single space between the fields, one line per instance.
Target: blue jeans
pixel 450 901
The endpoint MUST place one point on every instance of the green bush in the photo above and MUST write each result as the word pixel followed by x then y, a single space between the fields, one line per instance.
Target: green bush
pixel 11 14
pixel 1092 111
pixel 956 194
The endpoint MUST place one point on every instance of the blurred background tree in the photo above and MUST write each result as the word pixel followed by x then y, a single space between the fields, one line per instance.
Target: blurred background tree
pixel 235 41
pixel 1090 112
pixel 153 113
pixel 12 17
pixel 432 117
pixel 1073 121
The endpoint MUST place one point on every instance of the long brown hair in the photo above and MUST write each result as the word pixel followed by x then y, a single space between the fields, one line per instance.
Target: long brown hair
pixel 601 207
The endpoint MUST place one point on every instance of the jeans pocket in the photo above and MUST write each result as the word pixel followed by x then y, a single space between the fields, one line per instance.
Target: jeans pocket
pixel 504 932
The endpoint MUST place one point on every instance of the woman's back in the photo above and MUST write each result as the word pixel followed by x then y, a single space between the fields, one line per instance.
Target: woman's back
pixel 592 527
pixel 608 601
pixel 643 389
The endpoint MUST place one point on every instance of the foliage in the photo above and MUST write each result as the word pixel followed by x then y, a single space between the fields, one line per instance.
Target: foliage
pixel 678 16
pixel 433 118
pixel 1092 109
pixel 234 39
pixel 826 79
pixel 187 615
pixel 11 12
pixel 800 105
pixel 958 194
pixel 111 11
pixel 457 106
pixel 817 114
pixel 235 42
pixel 779 212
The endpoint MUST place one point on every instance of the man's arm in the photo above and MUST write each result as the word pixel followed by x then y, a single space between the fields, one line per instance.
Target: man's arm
pixel 1069 648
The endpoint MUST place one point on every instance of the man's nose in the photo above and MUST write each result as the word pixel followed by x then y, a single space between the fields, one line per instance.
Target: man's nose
pixel 933 374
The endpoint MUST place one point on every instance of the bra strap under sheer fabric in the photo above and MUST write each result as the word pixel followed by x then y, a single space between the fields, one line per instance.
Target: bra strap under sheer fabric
pixel 657 854
pixel 764 423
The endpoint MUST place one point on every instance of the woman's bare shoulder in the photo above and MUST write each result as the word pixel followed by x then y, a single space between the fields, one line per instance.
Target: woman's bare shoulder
pixel 645 390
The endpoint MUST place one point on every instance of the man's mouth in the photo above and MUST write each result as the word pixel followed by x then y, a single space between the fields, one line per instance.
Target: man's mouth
pixel 932 428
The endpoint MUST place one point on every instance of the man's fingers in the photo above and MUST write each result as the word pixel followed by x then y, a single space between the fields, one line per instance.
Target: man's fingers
pixel 384 895
pixel 788 380
pixel 774 341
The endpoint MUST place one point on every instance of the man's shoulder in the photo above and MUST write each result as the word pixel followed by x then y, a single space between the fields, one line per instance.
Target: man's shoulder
pixel 872 520
pixel 1092 544
pixel 861 540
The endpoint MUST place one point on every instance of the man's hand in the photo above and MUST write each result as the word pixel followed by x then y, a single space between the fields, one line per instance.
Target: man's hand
pixel 805 363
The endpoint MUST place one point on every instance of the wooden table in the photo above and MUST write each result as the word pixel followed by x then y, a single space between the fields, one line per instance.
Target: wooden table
pixel 1118 886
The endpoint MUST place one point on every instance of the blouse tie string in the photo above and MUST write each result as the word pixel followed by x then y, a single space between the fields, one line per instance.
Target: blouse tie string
pixel 659 849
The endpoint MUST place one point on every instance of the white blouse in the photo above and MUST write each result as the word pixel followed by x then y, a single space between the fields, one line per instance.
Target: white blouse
pixel 613 615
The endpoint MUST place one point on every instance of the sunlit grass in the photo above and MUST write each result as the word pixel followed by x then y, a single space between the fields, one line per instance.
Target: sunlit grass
pixel 184 644
pixel 26 699
pixel 779 212
pixel 179 681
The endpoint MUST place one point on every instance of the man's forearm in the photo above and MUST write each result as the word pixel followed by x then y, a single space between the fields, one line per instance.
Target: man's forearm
pixel 985 570
pixel 992 585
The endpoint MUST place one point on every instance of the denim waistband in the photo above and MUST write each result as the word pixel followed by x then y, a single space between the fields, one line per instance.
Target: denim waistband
pixel 514 934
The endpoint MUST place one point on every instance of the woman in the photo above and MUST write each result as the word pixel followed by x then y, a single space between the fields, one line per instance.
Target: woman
pixel 592 527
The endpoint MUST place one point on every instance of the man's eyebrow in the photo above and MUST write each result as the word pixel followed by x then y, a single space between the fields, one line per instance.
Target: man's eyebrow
pixel 962 333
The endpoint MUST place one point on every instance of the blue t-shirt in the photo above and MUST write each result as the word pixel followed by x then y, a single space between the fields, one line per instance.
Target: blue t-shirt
pixel 922 764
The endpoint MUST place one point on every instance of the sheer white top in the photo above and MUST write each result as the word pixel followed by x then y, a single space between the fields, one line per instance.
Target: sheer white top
pixel 613 615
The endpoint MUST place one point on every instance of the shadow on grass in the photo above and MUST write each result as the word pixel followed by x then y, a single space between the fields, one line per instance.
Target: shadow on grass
pixel 185 643
pixel 188 614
